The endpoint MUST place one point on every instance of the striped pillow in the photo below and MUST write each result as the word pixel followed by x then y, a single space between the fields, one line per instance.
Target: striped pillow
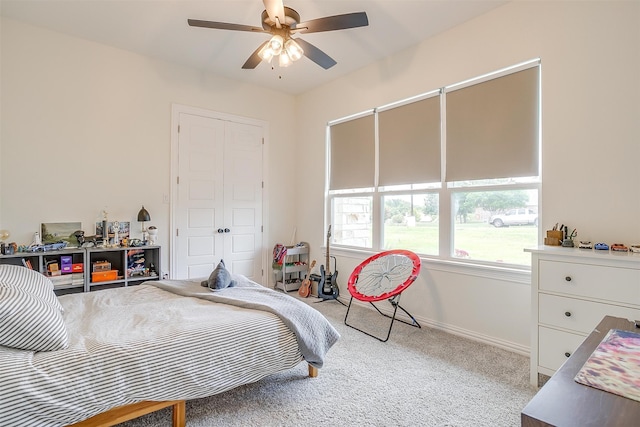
pixel 30 281
pixel 27 322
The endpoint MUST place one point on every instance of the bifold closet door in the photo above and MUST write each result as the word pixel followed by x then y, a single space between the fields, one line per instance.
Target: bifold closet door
pixel 219 212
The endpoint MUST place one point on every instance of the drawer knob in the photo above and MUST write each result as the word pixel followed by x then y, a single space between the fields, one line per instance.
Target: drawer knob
pixel 568 278
pixel 567 354
pixel 567 313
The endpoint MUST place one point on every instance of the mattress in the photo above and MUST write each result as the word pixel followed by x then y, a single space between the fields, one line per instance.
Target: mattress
pixel 141 343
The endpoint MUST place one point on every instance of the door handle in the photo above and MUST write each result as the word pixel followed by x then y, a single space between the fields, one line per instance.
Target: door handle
pixel 226 230
pixel 220 230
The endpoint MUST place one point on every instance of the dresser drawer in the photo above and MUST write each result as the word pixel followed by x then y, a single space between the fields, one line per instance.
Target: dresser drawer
pixel 591 281
pixel 555 347
pixel 576 314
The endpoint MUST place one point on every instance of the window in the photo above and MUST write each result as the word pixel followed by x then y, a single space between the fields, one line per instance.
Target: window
pixel 485 229
pixel 411 222
pixel 352 224
pixel 452 174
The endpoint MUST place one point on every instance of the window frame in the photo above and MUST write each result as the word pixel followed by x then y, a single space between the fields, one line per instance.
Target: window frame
pixel 445 190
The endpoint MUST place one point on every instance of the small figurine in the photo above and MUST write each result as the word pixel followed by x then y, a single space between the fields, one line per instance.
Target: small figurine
pixel 153 234
pixel 82 239
pixel 37 241
pixel 116 236
pixel 105 229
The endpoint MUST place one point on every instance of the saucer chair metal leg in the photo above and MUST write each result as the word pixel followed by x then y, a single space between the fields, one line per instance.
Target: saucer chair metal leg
pixel 393 318
pixel 396 303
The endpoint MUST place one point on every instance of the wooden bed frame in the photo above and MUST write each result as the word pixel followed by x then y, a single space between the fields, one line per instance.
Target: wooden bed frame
pixel 128 412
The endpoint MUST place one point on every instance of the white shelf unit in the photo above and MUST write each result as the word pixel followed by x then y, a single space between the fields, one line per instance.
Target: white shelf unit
pixel 571 291
pixel 293 270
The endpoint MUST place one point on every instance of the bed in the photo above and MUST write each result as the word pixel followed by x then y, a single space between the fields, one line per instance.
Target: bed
pixel 135 349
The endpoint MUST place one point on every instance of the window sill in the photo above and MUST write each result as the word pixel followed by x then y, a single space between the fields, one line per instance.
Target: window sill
pixel 510 274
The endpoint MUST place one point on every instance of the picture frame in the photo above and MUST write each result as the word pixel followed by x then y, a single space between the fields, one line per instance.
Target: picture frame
pixel 54 232
pixel 124 230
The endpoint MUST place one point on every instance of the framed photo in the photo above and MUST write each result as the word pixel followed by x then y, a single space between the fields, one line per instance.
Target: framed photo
pixel 123 230
pixel 53 232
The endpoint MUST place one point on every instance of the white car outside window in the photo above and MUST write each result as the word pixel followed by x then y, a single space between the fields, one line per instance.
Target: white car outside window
pixel 519 216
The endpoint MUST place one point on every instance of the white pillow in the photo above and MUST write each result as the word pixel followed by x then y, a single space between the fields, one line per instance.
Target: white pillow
pixel 30 281
pixel 27 322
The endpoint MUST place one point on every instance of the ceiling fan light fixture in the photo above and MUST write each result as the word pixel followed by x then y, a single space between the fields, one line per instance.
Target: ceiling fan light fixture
pixel 276 43
pixel 293 49
pixel 266 53
pixel 284 60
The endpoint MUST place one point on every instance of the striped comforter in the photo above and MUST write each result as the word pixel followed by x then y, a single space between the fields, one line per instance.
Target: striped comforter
pixel 142 343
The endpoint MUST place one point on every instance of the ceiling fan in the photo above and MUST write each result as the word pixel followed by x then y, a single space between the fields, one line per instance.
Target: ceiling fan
pixel 282 23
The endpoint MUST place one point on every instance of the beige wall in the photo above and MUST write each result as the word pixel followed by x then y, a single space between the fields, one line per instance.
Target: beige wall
pixel 86 126
pixel 590 53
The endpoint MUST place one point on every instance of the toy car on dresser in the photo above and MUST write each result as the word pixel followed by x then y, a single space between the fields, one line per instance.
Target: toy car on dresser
pixel 619 247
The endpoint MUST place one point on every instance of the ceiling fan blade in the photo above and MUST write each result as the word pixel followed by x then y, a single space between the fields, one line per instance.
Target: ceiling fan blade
pixel 254 59
pixel 224 26
pixel 331 23
pixel 316 55
pixel 275 10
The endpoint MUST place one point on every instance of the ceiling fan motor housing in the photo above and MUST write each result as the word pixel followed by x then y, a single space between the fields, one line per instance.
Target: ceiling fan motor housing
pixel 292 18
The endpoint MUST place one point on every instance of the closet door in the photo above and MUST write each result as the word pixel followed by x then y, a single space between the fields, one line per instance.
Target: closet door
pixel 243 199
pixel 219 203
pixel 200 198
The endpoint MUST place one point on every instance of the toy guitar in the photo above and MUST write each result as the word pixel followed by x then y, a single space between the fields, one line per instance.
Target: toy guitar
pixel 328 286
pixel 305 287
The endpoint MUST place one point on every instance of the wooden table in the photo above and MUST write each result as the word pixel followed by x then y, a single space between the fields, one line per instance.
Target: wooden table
pixel 562 402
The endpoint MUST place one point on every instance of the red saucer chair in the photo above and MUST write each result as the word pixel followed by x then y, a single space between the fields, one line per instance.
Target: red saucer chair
pixel 384 276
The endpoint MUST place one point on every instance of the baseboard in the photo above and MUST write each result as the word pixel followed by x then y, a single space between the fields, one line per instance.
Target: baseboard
pixel 454 330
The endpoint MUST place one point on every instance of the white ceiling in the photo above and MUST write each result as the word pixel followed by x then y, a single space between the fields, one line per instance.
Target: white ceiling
pixel 158 28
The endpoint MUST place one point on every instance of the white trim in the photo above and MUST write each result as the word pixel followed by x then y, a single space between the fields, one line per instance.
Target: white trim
pixel 475 336
pixel 520 276
pixel 407 101
pixel 351 117
pixel 327 171
pixel 493 75
pixel 451 329
pixel 176 110
pixel 513 275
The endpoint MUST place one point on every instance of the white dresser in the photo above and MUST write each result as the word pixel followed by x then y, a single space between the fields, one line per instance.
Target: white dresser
pixel 571 291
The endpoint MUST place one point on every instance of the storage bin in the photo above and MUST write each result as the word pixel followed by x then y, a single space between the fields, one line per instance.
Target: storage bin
pixel 103 276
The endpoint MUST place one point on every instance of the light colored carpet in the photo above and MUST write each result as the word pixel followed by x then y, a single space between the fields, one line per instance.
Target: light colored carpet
pixel 420 377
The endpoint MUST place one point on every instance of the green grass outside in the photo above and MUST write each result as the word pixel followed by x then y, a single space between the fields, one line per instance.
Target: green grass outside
pixel 482 241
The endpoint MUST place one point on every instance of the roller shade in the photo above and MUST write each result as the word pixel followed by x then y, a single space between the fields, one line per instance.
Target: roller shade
pixel 352 154
pixel 492 128
pixel 409 143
